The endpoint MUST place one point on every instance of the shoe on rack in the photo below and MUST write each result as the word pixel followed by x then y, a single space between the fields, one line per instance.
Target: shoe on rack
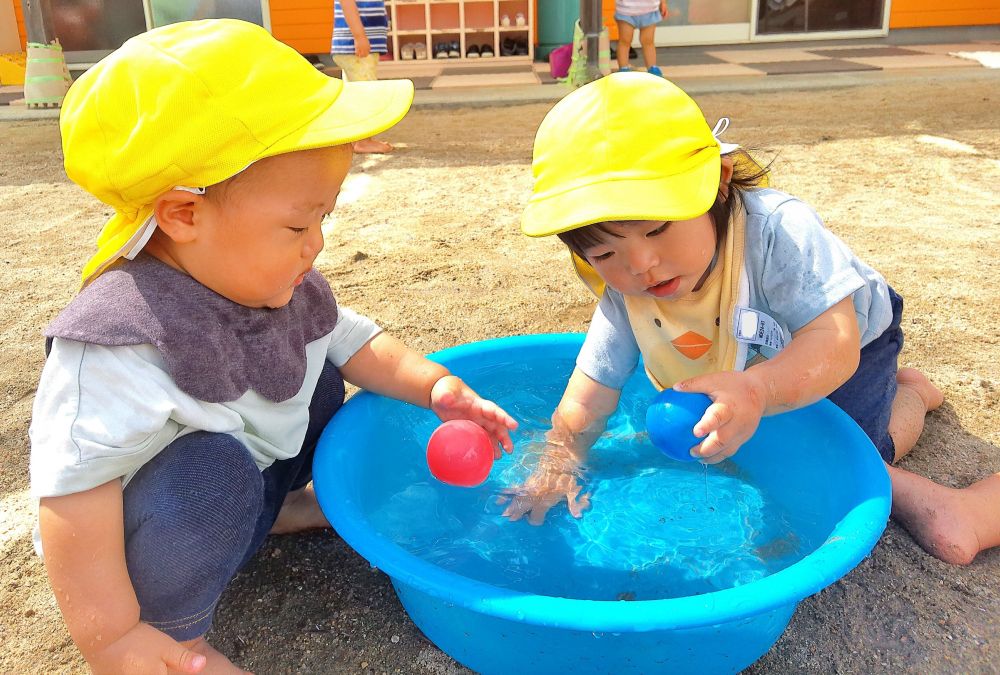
pixel 519 19
pixel 520 49
pixel 406 52
pixel 441 50
pixel 508 47
pixel 655 70
pixel 454 50
pixel 472 52
pixel 486 51
pixel 419 51
pixel 505 20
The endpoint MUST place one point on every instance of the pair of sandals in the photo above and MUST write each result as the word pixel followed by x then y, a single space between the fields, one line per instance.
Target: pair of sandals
pixel 479 51
pixel 447 50
pixel 519 20
pixel 413 50
pixel 513 48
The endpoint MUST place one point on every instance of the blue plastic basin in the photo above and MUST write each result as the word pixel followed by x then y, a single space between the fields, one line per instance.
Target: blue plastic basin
pixel 815 461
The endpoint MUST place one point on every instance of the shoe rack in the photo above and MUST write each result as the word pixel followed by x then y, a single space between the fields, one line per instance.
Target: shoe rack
pixel 419 28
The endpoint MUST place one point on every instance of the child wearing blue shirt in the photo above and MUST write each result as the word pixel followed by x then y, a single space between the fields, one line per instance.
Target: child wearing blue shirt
pixel 675 234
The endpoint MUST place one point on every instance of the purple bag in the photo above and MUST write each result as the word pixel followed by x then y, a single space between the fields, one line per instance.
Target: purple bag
pixel 560 59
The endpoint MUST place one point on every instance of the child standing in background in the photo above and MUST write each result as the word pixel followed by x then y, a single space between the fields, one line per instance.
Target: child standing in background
pixel 360 35
pixel 641 15
pixel 675 234
pixel 187 384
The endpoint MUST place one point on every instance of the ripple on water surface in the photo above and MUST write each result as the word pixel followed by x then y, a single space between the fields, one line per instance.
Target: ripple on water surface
pixel 656 528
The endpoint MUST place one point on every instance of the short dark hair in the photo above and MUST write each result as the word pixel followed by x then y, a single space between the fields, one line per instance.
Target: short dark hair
pixel 748 174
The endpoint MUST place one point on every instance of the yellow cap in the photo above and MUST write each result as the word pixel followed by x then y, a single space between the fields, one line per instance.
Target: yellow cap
pixel 195 103
pixel 630 146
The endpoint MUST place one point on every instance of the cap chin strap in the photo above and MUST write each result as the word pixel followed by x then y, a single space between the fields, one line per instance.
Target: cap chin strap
pixel 720 128
pixel 145 231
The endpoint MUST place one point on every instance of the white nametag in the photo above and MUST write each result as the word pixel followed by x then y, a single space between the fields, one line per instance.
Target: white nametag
pixel 753 327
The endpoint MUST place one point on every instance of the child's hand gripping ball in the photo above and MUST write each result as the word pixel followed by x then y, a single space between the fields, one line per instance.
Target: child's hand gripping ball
pixel 460 453
pixel 670 422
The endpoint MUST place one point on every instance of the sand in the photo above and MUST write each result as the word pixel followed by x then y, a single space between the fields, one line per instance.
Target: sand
pixel 427 243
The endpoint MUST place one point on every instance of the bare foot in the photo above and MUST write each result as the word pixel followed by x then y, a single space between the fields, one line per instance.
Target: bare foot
pixel 914 379
pixel 300 511
pixel 952 525
pixel 370 146
pixel 217 663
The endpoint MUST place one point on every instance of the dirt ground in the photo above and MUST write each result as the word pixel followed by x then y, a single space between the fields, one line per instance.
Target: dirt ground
pixel 428 244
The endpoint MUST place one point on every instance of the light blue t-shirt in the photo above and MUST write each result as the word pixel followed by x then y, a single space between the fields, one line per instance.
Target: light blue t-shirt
pixel 797 268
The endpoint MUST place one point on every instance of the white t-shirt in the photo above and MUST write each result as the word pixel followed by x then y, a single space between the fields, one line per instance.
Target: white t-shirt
pixel 636 7
pixel 102 412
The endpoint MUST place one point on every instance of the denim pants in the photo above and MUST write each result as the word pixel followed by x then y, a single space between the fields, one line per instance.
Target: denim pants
pixel 199 510
pixel 867 397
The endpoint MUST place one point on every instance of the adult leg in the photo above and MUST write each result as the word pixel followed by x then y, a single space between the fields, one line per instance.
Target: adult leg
pixel 625 33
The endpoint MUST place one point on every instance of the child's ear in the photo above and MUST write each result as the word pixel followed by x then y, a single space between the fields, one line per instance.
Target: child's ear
pixel 175 214
pixel 726 176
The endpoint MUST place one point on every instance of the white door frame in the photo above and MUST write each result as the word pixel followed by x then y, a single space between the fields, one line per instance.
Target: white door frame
pixel 742 33
pixel 825 35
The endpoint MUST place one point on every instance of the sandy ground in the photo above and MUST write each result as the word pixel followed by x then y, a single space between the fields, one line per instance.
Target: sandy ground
pixel 428 244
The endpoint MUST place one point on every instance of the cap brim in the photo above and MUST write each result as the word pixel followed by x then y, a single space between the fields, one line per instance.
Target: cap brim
pixel 359 110
pixel 362 110
pixel 678 197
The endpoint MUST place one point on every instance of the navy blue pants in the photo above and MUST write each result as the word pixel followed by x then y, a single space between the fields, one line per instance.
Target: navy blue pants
pixel 199 510
pixel 867 397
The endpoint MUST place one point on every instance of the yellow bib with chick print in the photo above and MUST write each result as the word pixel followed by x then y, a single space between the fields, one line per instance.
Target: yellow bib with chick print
pixel 692 335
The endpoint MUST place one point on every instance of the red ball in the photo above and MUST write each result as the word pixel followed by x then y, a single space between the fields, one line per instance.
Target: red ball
pixel 460 453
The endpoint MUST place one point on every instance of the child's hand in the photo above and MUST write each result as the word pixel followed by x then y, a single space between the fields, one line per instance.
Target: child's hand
pixel 663 8
pixel 738 403
pixel 452 399
pixel 362 47
pixel 554 479
pixel 143 649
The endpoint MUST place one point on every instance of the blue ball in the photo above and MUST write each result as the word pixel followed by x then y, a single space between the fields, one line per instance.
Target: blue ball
pixel 670 420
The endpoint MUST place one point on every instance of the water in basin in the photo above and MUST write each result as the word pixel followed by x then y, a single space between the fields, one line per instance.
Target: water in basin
pixel 656 528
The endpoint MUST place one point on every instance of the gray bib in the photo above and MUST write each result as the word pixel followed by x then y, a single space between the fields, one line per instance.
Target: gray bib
pixel 214 349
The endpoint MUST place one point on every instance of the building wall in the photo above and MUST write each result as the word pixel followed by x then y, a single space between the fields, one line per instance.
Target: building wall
pixel 927 13
pixel 902 13
pixel 307 25
pixel 608 12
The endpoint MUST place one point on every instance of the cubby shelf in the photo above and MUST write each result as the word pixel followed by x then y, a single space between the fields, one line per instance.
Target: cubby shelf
pixel 468 22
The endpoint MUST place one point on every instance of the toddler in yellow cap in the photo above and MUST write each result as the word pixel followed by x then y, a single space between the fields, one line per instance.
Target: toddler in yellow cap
pixel 724 287
pixel 186 385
